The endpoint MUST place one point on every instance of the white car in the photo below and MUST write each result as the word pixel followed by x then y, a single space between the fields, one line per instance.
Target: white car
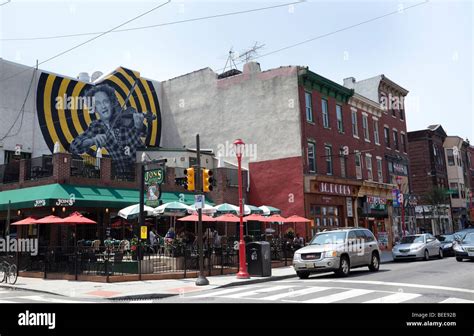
pixel 420 246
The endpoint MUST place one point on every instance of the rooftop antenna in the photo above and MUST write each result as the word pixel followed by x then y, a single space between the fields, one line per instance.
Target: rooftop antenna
pixel 250 53
pixel 230 60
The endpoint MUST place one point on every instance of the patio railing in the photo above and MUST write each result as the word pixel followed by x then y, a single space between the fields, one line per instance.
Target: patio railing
pixel 86 166
pixel 39 167
pixel 10 172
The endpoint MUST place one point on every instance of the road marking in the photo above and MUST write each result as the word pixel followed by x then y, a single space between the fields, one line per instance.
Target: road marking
pixel 51 300
pixel 257 291
pixel 383 283
pixel 219 293
pixel 5 301
pixel 299 292
pixel 394 298
pixel 339 296
pixel 456 300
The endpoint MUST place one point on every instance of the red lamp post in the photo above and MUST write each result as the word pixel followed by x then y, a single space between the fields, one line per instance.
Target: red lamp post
pixel 402 205
pixel 239 146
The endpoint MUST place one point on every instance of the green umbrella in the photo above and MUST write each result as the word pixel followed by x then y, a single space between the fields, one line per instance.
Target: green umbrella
pixel 227 208
pixel 268 210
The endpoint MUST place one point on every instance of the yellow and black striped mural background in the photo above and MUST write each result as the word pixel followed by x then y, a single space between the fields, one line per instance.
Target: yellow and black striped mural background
pixel 62 124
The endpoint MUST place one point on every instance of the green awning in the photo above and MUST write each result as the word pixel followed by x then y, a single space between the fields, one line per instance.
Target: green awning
pixel 80 196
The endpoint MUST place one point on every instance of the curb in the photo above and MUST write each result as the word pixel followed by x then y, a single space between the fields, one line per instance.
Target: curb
pixel 13 287
pixel 255 281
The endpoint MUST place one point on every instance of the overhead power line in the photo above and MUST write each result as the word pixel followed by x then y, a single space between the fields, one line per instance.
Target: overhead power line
pixel 155 25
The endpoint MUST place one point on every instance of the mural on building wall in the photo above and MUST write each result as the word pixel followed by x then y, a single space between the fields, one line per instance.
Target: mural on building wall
pixel 117 114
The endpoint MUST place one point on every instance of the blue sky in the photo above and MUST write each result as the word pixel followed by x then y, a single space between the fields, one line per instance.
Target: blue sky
pixel 427 49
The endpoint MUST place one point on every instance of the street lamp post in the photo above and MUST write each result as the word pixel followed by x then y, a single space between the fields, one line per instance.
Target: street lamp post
pixel 402 205
pixel 239 146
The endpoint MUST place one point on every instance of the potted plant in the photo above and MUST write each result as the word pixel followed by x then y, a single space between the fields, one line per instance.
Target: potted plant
pixel 134 248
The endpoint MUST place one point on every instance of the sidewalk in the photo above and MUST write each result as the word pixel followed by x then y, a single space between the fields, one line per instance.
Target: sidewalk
pixel 149 289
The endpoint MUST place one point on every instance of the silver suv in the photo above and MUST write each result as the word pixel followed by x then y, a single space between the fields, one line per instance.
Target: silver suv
pixel 339 251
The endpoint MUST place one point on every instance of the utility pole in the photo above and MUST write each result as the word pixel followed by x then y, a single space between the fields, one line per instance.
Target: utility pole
pixel 201 280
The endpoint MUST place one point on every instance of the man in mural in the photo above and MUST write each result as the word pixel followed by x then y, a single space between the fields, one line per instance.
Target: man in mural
pixel 118 132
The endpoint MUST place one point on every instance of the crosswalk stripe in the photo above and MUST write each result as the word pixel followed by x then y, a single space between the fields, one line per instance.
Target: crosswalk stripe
pixel 256 291
pixel 339 296
pixel 295 293
pixel 456 300
pixel 220 292
pixel 394 298
pixel 49 299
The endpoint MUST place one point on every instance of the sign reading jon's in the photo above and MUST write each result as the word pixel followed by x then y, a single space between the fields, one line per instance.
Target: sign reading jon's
pixel 153 180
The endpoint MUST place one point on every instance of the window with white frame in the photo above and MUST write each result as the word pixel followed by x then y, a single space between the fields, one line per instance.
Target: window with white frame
pixel 403 141
pixel 355 130
pixel 395 139
pixel 450 154
pixel 324 108
pixel 328 155
pixel 386 135
pixel 311 157
pixel 379 170
pixel 368 164
pixel 309 106
pixel 365 127
pixel 376 132
pixel 340 123
pixel 358 165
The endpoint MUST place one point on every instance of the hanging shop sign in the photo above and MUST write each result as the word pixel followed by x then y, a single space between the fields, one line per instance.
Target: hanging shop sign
pixel 350 211
pixel 153 180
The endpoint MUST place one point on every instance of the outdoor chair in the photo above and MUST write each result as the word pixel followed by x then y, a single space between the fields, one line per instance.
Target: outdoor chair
pixel 95 247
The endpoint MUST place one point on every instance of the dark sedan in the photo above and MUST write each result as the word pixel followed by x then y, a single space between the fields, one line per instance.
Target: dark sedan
pixel 447 241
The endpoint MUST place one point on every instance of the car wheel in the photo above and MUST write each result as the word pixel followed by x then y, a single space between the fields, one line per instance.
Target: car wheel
pixel 458 259
pixel 302 275
pixel 440 255
pixel 426 256
pixel 374 262
pixel 344 267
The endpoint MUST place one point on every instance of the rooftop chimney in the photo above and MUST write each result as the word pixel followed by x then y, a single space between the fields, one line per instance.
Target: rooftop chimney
pixel 84 77
pixel 251 67
pixel 349 82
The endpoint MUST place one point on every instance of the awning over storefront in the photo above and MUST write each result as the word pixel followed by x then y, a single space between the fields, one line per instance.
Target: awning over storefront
pixel 64 195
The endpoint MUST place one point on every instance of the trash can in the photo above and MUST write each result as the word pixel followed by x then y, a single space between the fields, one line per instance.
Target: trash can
pixel 259 262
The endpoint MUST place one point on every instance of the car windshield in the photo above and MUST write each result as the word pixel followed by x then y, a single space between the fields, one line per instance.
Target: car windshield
pixel 469 239
pixel 412 239
pixel 328 238
pixel 446 238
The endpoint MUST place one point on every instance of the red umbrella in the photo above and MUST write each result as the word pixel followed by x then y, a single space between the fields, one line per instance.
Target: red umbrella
pixel 194 218
pixel 27 221
pixel 51 219
pixel 77 218
pixel 229 218
pixel 254 217
pixel 297 219
pixel 274 218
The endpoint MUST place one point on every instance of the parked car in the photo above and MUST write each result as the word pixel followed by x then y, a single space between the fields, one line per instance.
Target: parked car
pixel 461 234
pixel 338 251
pixel 447 241
pixel 464 249
pixel 419 246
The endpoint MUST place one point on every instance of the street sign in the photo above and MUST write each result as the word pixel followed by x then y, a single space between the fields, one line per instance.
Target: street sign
pixel 199 201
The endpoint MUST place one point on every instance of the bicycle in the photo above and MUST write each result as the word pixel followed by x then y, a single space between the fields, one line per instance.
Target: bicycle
pixel 8 272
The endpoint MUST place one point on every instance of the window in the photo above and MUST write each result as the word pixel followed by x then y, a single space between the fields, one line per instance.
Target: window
pixel 450 154
pixel 453 187
pixel 358 164
pixel 376 132
pixel 328 154
pixel 342 160
pixel 404 143
pixel 386 135
pixel 365 127
pixel 402 114
pixel 368 163
pixel 393 103
pixel 395 139
pixel 311 157
pixel 340 124
pixel 463 191
pixel 355 131
pixel 309 106
pixel 324 106
pixel 379 170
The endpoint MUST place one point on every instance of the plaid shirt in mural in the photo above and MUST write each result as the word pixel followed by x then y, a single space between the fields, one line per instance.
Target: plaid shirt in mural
pixel 121 143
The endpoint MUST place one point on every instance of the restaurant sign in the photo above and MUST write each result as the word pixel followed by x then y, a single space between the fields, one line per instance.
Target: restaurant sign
pixel 40 203
pixel 331 188
pixel 153 180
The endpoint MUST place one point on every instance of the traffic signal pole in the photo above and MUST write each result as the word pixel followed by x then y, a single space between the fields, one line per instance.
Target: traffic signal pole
pixel 201 280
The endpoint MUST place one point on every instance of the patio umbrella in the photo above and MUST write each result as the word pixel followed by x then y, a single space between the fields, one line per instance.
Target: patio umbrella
pixel 297 219
pixel 132 211
pixel 27 221
pixel 208 209
pixel 194 218
pixel 171 209
pixel 251 209
pixel 229 218
pixel 274 219
pixel 51 219
pixel 227 208
pixel 254 217
pixel 268 210
pixel 77 218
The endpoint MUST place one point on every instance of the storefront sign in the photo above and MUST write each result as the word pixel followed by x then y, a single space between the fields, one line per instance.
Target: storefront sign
pixel 65 202
pixel 332 188
pixel 327 200
pixel 40 203
pixel 153 180
pixel 399 168
pixel 376 200
pixel 349 207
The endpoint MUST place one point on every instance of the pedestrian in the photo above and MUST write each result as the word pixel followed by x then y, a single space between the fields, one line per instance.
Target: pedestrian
pixel 298 241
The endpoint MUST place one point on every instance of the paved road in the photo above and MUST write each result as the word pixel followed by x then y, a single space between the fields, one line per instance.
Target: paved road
pixel 434 281
pixel 25 296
